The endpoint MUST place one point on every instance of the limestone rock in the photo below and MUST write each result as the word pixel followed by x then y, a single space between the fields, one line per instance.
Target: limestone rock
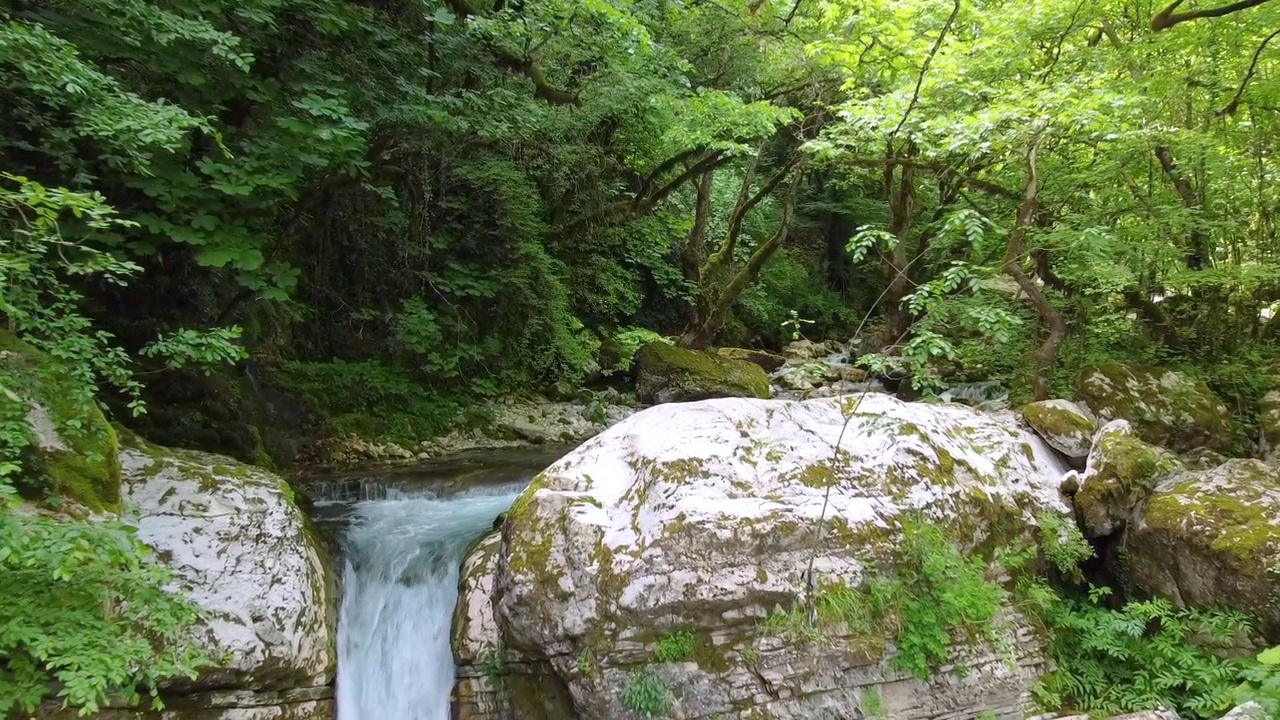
pixel 666 373
pixel 700 518
pixel 766 360
pixel 1067 427
pixel 1212 539
pixel 305 704
pixel 246 555
pixel 1248 711
pixel 806 349
pixel 1166 408
pixel 1121 471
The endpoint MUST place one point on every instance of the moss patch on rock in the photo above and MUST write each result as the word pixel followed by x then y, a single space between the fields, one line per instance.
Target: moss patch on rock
pixel 766 360
pixel 69 450
pixel 1166 408
pixel 666 373
pixel 1212 539
pixel 1063 425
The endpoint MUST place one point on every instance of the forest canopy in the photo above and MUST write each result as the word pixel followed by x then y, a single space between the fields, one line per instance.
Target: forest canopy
pixel 477 195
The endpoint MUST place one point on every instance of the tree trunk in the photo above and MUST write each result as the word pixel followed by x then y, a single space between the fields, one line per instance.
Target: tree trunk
pixel 900 201
pixel 715 297
pixel 694 244
pixel 1044 356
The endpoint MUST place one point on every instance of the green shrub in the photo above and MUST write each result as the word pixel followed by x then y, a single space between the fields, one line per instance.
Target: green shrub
pixel 934 595
pixel 675 647
pixel 646 694
pixel 1146 653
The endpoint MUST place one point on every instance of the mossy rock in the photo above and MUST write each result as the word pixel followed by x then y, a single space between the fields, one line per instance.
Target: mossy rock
pixel 1122 471
pixel 1067 427
pixel 666 373
pixel 1211 539
pixel 1166 408
pixel 766 360
pixel 72 451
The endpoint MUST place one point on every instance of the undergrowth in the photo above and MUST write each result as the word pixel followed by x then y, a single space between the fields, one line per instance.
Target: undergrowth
pixel 1137 656
pixel 1110 658
pixel 377 401
pixel 675 647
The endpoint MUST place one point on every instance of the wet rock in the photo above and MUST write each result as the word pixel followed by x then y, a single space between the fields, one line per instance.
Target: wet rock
pixel 1269 425
pixel 767 361
pixel 806 349
pixel 1067 427
pixel 1121 472
pixel 246 556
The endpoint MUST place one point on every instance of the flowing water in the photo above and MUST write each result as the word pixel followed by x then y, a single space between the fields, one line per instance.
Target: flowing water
pixel 402 554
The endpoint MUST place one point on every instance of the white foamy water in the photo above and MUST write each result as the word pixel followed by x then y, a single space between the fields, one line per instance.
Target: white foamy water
pixel 400 586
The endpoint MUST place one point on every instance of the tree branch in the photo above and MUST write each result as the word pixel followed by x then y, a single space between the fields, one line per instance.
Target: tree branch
pixel 937 44
pixel 523 64
pixel 1234 105
pixel 1167 18
pixel 939 167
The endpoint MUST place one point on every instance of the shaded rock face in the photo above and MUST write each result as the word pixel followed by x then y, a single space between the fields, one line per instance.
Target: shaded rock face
pixel 1211 538
pixel 1165 408
pixel 699 518
pixel 666 373
pixel 1067 427
pixel 247 556
pixel 304 704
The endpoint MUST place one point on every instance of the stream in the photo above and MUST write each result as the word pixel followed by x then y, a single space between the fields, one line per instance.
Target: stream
pixel 401 535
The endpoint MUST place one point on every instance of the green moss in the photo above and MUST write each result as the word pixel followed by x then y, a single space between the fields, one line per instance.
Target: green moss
pixel 1126 472
pixel 680 374
pixel 87 468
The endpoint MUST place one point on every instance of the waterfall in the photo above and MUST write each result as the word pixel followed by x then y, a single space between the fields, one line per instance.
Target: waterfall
pixel 401 582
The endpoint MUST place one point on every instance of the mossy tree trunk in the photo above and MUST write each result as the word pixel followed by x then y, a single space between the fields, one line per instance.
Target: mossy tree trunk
pixel 719 281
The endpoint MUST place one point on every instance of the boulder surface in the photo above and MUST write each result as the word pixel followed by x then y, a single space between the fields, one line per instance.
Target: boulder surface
pixel 1067 427
pixel 1211 539
pixel 666 373
pixel 697 521
pixel 248 557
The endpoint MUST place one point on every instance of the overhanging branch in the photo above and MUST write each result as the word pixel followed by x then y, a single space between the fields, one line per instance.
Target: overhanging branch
pixel 1167 17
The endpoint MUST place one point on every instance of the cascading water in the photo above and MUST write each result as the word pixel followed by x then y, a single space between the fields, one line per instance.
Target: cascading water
pixel 401 582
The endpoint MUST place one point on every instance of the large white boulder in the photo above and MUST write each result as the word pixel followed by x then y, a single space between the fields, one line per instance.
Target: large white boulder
pixel 247 556
pixel 701 518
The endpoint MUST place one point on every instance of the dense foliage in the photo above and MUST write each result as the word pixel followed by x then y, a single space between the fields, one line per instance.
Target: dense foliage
pixel 399 205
